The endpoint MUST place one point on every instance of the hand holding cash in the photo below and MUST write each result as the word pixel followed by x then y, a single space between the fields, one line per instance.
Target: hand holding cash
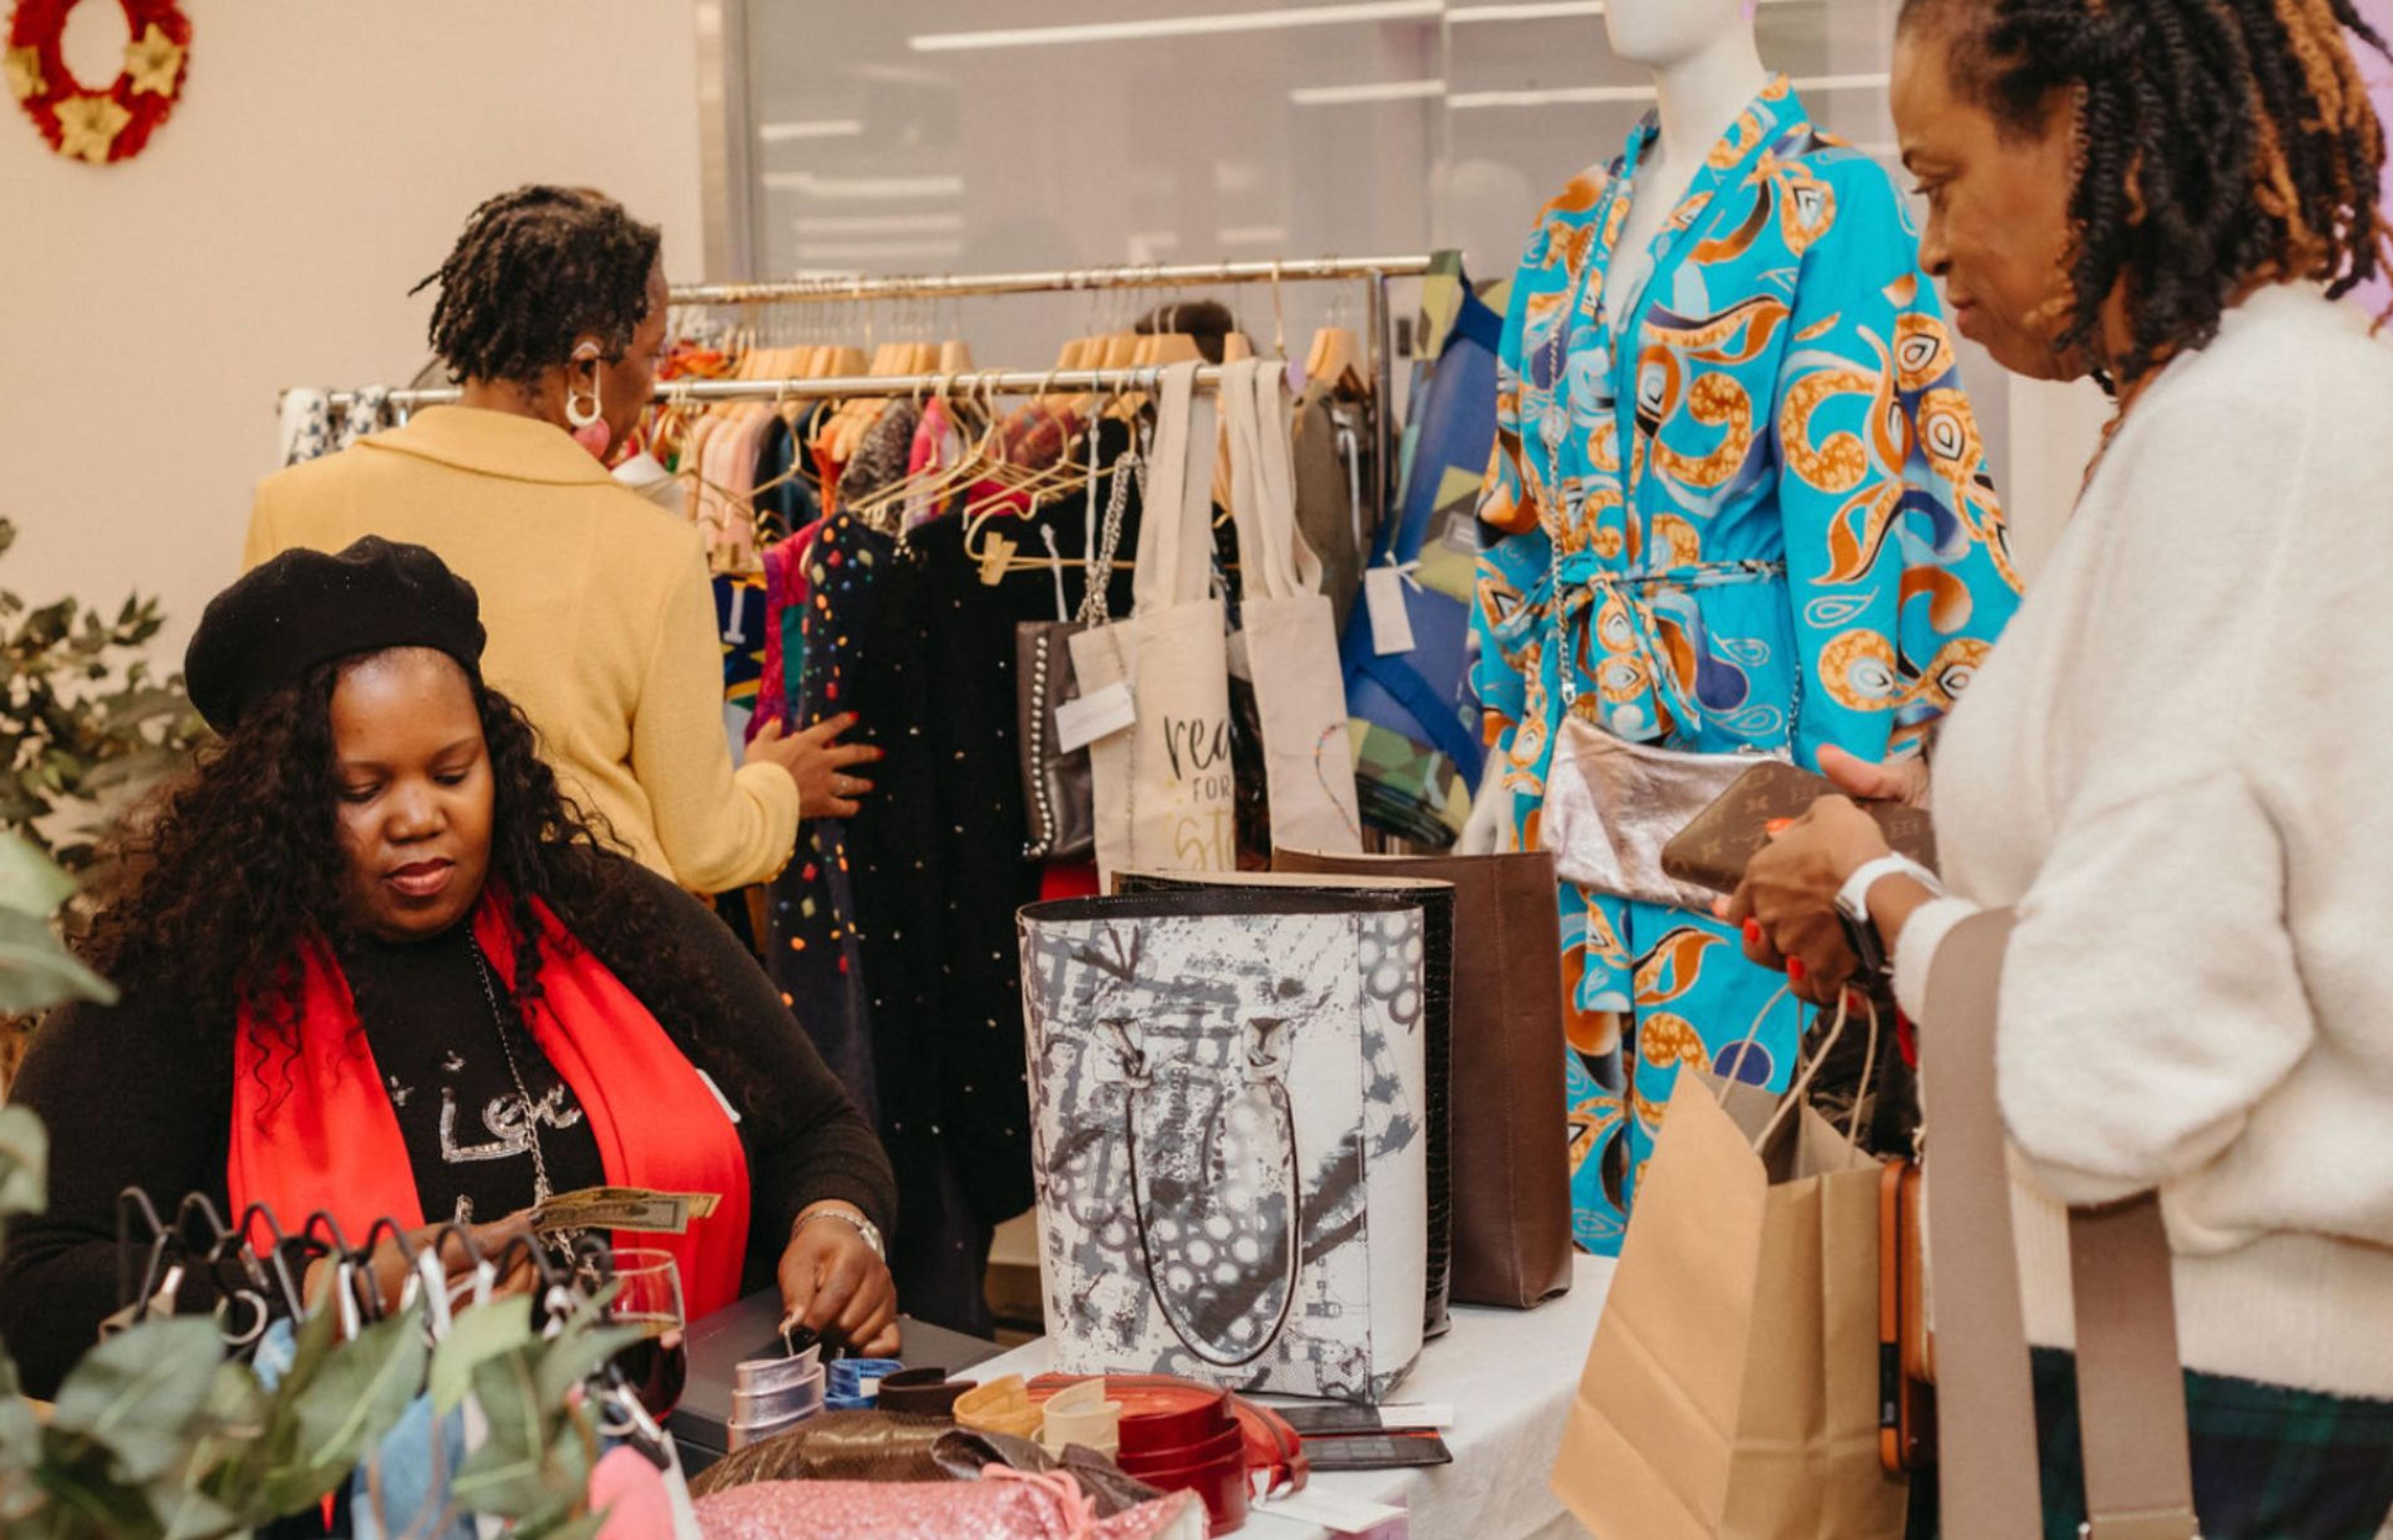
pixel 624 1208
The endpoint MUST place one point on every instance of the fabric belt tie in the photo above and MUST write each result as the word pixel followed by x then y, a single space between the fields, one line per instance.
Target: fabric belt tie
pixel 1570 592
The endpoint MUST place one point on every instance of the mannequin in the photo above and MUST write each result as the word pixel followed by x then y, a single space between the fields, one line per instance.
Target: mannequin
pixel 1707 67
pixel 1737 506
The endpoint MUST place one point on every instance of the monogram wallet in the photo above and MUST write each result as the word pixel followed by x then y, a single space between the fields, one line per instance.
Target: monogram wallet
pixel 1712 852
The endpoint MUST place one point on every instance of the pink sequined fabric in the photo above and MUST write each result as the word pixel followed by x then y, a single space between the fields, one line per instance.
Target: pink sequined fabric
pixel 955 1510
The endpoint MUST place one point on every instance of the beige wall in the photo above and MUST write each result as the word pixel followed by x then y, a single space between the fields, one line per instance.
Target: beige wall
pixel 321 161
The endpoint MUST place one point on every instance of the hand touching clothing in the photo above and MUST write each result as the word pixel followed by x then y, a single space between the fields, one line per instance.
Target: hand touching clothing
pixel 819 764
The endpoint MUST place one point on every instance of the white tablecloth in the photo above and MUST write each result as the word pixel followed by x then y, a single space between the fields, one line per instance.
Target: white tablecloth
pixel 1510 1376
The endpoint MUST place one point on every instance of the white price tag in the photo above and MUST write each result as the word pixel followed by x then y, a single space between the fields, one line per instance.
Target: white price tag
pixel 1383 593
pixel 1101 714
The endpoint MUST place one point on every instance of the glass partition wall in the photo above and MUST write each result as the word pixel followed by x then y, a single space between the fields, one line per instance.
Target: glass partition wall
pixel 939 136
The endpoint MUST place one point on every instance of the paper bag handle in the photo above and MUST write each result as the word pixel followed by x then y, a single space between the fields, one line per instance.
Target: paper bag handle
pixel 1808 1071
pixel 2130 1390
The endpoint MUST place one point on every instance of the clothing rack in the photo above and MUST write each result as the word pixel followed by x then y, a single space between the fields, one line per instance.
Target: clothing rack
pixel 1374 272
pixel 998 382
pixel 799 291
pixel 1145 380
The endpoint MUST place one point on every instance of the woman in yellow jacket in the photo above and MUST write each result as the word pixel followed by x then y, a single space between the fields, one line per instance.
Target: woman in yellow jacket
pixel 551 315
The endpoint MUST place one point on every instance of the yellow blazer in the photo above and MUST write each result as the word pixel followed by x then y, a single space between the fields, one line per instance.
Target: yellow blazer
pixel 600 616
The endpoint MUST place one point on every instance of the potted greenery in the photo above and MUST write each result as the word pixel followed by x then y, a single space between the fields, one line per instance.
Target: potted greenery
pixel 83 722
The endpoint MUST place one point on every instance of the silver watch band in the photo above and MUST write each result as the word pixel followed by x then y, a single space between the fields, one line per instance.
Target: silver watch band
pixel 856 1222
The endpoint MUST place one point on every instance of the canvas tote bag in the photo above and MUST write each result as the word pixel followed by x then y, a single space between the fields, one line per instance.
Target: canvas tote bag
pixel 1731 1390
pixel 1162 783
pixel 1286 624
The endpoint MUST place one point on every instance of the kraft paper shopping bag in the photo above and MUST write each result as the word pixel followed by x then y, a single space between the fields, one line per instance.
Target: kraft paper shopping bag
pixel 1730 1393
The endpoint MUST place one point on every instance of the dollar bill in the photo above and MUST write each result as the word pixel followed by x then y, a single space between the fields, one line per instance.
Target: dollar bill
pixel 634 1209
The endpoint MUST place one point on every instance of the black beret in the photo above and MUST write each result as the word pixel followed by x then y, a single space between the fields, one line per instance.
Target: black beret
pixel 305 609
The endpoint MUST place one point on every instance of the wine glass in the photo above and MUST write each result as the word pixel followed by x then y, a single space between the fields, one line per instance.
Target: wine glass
pixel 649 1296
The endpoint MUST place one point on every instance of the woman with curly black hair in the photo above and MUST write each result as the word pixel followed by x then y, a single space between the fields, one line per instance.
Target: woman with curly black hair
pixel 375 963
pixel 2168 769
pixel 550 316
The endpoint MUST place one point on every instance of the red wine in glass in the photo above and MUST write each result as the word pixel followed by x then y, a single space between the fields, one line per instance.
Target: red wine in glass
pixel 649 1296
pixel 656 1367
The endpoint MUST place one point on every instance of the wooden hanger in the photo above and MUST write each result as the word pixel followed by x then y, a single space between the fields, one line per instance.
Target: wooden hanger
pixel 1335 356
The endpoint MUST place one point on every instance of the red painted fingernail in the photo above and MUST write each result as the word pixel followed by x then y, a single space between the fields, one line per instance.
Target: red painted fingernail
pixel 1778 826
pixel 1753 931
pixel 1794 970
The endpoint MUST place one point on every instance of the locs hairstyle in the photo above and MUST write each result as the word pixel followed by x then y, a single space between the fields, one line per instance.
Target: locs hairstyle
pixel 535 269
pixel 2224 144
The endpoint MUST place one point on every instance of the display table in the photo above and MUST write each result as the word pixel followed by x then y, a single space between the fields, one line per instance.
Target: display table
pixel 1510 1376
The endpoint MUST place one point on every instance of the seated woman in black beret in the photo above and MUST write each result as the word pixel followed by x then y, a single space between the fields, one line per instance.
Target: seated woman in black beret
pixel 373 963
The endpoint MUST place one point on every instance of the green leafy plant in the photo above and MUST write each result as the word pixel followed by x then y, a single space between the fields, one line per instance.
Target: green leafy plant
pixel 157 1435
pixel 36 971
pixel 81 719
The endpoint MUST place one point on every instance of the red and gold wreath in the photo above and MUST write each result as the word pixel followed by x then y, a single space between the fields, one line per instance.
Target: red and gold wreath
pixel 98 124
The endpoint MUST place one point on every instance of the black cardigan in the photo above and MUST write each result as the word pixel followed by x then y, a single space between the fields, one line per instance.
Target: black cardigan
pixel 133 1096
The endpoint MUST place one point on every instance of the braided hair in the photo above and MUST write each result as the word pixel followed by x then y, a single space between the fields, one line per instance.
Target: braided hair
pixel 2222 145
pixel 536 270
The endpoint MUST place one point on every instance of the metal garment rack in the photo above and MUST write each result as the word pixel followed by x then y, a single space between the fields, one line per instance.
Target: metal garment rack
pixel 1374 273
pixel 998 382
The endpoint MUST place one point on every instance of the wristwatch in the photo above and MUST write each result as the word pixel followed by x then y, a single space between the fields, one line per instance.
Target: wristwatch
pixel 1852 907
pixel 854 1220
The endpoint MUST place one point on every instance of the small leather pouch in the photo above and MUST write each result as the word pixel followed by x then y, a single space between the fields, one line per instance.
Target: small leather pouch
pixel 1612 806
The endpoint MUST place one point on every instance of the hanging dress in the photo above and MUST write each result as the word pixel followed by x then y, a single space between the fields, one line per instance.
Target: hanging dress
pixel 1749 513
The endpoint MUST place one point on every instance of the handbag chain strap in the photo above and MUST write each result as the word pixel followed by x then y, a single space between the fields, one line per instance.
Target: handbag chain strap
pixel 1096 603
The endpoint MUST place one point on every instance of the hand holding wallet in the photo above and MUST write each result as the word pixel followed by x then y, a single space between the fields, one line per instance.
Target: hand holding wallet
pixel 1714 850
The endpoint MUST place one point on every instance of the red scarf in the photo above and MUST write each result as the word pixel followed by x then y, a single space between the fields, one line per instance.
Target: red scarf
pixel 314 1129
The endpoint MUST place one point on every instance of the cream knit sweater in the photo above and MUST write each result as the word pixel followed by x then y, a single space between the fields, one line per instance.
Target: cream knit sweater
pixel 2178 766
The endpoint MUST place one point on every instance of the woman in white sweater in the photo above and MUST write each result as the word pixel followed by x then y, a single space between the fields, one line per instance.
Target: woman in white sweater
pixel 2173 766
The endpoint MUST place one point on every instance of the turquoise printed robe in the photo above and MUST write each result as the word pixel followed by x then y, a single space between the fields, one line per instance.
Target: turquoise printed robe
pixel 1767 523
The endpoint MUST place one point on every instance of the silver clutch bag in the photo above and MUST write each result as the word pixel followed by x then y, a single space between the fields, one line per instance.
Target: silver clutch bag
pixel 1612 806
